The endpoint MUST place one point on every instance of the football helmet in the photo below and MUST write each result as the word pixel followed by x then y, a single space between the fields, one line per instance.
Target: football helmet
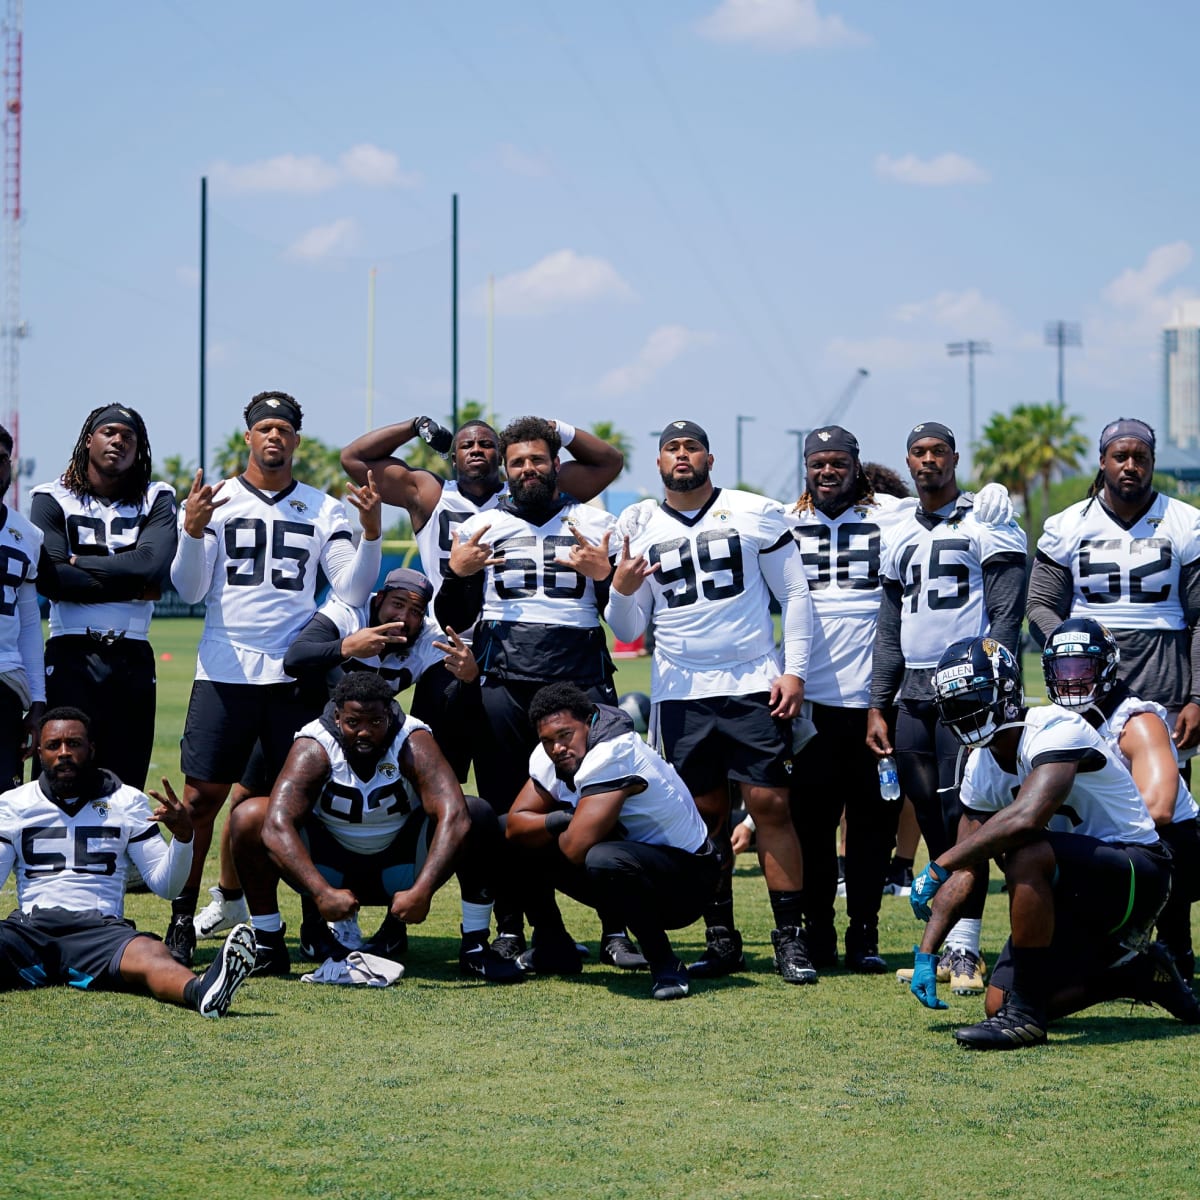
pixel 977 686
pixel 1080 663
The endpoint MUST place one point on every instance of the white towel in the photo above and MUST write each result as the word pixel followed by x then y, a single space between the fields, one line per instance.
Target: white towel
pixel 356 969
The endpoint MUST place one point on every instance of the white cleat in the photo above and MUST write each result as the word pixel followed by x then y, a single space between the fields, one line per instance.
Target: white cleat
pixel 220 914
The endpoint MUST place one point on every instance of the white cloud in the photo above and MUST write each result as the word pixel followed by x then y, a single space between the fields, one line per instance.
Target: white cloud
pixel 558 280
pixel 1137 287
pixel 305 174
pixel 945 170
pixel 778 25
pixel 323 241
pixel 518 162
pixel 968 312
pixel 661 349
pixel 886 353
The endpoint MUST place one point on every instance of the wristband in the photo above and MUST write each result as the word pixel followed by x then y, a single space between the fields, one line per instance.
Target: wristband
pixel 566 432
pixel 749 823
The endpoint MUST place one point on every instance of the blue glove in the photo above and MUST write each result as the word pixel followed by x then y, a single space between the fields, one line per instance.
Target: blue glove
pixel 924 888
pixel 924 980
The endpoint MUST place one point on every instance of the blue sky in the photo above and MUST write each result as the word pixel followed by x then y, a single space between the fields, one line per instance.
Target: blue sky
pixel 703 208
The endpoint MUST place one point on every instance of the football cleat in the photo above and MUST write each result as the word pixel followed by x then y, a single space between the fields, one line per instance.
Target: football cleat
pixel 220 914
pixel 621 951
pixel 1159 982
pixel 271 953
pixel 1010 1029
pixel 670 982
pixel 791 955
pixel 898 881
pixel 180 939
pixel 968 972
pixel 553 955
pixel 390 940
pixel 722 954
pixel 509 945
pixel 229 970
pixel 477 960
pixel 317 943
pixel 348 932
pixel 862 951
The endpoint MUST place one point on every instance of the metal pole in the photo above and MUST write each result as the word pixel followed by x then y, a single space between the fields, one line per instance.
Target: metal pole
pixel 491 351
pixel 203 309
pixel 454 312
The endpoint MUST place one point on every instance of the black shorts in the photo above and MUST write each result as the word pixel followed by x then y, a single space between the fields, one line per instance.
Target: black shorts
pixel 373 878
pixel 714 740
pixel 54 945
pixel 224 720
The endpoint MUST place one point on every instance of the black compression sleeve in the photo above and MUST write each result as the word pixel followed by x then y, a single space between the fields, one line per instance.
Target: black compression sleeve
pixel 316 650
pixel 887 662
pixel 1050 588
pixel 1004 599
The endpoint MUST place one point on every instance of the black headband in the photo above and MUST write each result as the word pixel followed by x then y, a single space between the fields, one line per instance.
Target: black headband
pixel 1126 427
pixel 405 579
pixel 114 414
pixel 279 408
pixel 683 429
pixel 831 437
pixel 930 429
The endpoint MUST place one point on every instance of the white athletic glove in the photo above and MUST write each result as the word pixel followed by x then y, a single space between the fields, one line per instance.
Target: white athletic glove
pixel 993 505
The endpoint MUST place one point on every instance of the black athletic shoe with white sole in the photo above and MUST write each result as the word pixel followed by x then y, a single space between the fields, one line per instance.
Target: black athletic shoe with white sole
pixel 621 951
pixel 477 960
pixel 670 981
pixel 230 969
pixel 180 939
pixel 791 955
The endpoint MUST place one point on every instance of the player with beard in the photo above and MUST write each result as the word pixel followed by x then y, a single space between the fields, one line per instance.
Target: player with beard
pixel 251 547
pixel 110 537
pixel 367 811
pixel 71 836
pixel 946 575
pixel 701 565
pixel 534 572
pixel 1129 557
pixel 436 507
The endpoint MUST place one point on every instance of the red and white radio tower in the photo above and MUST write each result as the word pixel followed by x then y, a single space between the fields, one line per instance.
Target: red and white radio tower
pixel 13 328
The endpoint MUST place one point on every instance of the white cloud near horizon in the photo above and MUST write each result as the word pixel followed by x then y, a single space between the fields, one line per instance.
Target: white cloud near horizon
pixel 307 174
pixel 664 345
pixel 1137 287
pixel 943 170
pixel 322 241
pixel 968 313
pixel 560 280
pixel 778 25
pixel 518 162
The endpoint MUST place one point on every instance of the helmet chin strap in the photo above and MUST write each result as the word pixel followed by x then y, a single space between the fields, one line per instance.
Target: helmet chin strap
pixel 964 750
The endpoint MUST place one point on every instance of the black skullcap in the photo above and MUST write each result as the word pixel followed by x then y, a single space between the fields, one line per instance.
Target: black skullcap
pixel 683 429
pixel 1126 427
pixel 831 437
pixel 114 414
pixel 274 406
pixel 930 429
pixel 405 579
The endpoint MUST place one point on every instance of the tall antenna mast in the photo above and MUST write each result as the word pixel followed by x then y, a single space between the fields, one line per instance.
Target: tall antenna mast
pixel 13 328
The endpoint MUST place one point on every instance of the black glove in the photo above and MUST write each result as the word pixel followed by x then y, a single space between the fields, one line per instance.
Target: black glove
pixel 557 821
pixel 438 436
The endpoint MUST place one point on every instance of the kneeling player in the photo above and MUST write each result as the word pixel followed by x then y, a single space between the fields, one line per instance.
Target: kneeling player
pixel 72 836
pixel 1086 872
pixel 609 822
pixel 367 811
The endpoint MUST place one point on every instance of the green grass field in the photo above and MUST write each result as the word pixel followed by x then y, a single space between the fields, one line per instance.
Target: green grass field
pixel 440 1087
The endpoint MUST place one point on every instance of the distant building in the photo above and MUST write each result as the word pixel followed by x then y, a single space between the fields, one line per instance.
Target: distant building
pixel 1181 376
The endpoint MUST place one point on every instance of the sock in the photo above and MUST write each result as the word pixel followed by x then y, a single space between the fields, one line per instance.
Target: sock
pixel 965 935
pixel 1030 982
pixel 184 905
pixel 720 912
pixel 901 864
pixel 230 893
pixel 656 948
pixel 787 908
pixel 476 918
pixel 267 923
pixel 191 993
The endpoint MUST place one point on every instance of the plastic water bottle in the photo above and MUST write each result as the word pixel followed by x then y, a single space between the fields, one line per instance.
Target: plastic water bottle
pixel 889 780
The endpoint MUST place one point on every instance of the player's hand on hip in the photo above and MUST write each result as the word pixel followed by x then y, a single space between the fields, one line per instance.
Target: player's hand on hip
pixel 202 501
pixel 469 556
pixel 171 812
pixel 787 695
pixel 370 507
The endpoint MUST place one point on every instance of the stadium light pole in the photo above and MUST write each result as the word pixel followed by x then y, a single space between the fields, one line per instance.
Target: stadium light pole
pixel 970 349
pixel 740 421
pixel 1062 334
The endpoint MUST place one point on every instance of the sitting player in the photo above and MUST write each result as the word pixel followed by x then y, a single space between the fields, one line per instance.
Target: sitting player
pixel 72 836
pixel 367 811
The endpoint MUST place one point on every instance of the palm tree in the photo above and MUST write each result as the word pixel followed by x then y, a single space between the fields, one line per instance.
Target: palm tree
pixel 998 456
pixel 606 431
pixel 316 463
pixel 177 473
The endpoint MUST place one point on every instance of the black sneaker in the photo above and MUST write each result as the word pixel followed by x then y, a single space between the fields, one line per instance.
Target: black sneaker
pixel 390 940
pixel 621 951
pixel 229 970
pixel 180 939
pixel 1161 983
pixel 862 952
pixel 554 955
pixel 822 942
pixel 317 944
pixel 1010 1029
pixel 898 881
pixel 477 960
pixel 791 955
pixel 271 953
pixel 722 954
pixel 670 982
pixel 509 945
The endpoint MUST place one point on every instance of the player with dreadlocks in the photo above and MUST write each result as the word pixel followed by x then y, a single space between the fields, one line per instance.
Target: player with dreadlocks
pixel 109 538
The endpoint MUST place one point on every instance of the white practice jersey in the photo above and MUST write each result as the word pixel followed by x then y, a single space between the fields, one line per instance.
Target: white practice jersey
pixel 261 555
pixel 435 539
pixel 1104 803
pixel 94 526
pixel 1127 577
pixel 842 556
pixel 536 584
pixel 941 572
pixel 394 667
pixel 1111 730
pixel 364 815
pixel 76 854
pixel 713 632
pixel 662 814
pixel 20 545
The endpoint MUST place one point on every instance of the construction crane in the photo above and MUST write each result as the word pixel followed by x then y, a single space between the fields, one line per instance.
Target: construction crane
pixel 13 328
pixel 837 410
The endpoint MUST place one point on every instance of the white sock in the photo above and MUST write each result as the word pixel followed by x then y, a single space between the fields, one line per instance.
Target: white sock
pixel 476 918
pixel 965 935
pixel 268 923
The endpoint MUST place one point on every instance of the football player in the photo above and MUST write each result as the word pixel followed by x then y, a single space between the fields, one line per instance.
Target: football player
pixel 110 537
pixel 1085 869
pixel 606 820
pixel 367 811
pixel 250 547
pixel 703 565
pixel 71 836
pixel 1129 557
pixel 946 575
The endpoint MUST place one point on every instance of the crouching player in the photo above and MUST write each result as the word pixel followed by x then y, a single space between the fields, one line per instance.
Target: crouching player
pixel 606 820
pixel 367 811
pixel 72 835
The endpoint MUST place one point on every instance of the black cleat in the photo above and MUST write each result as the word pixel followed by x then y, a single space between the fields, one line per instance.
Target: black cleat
pixel 822 942
pixel 1010 1029
pixel 317 944
pixel 229 970
pixel 791 955
pixel 554 955
pixel 621 951
pixel 1159 982
pixel 180 939
pixel 390 940
pixel 271 953
pixel 670 982
pixel 722 954
pixel 509 945
pixel 862 952
pixel 477 960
